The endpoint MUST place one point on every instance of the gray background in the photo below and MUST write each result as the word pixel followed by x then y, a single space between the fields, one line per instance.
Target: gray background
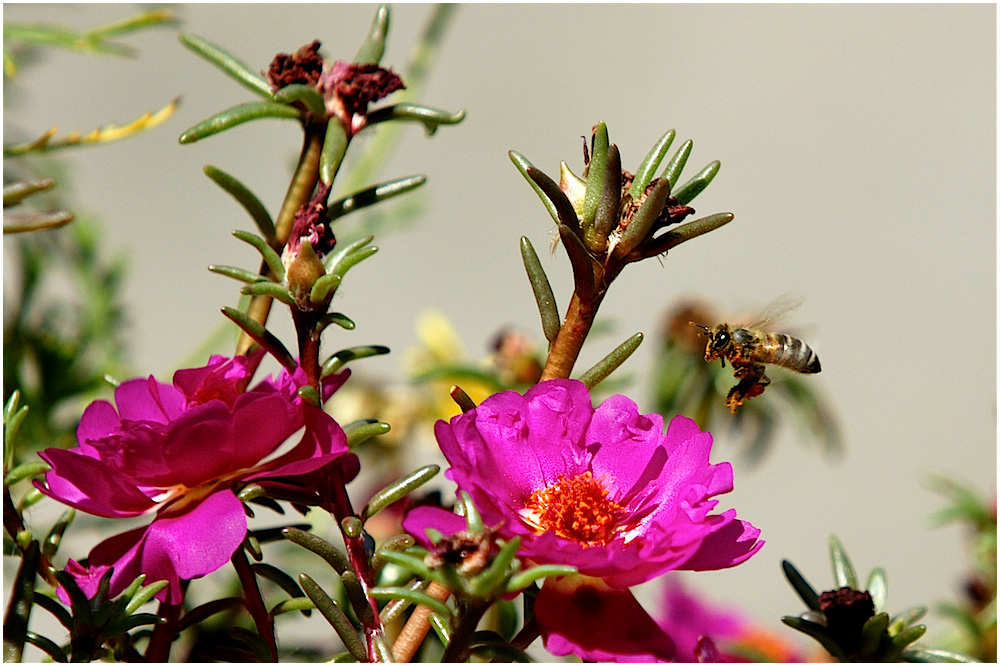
pixel 858 155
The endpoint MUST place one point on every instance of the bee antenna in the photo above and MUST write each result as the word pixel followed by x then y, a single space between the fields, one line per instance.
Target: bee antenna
pixel 704 328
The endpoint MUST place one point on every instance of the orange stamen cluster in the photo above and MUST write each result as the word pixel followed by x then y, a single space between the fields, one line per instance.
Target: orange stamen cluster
pixel 576 509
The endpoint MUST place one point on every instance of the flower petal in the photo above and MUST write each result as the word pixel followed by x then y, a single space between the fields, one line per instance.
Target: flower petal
pixel 583 616
pixel 423 518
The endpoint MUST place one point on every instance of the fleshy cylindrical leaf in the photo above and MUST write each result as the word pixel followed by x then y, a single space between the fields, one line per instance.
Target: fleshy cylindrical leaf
pixel 878 588
pixel 542 290
pixel 676 164
pixel 644 174
pixel 801 586
pixel 334 149
pixel 362 431
pixel 609 206
pixel 641 225
pixel 687 231
pixel 692 188
pixel 237 115
pixel 431 118
pixel 245 198
pixel 267 253
pixel 373 195
pixel 309 96
pixel 267 340
pixel 398 490
pixel 324 549
pixel 227 63
pixel 337 360
pixel 843 570
pixel 595 175
pixel 374 46
pixel 610 363
pixel 522 164
pixel 328 607
pixel 413 596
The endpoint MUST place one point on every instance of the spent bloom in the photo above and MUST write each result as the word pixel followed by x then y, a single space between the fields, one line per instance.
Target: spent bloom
pixel 602 489
pixel 179 452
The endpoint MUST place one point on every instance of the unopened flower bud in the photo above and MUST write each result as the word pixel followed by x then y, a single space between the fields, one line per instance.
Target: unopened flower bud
pixel 311 239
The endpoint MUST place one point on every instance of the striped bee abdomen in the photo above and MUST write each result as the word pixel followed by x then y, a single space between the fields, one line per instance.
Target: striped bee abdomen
pixel 788 352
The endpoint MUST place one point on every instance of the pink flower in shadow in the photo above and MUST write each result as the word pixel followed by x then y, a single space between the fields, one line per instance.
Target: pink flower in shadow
pixel 178 452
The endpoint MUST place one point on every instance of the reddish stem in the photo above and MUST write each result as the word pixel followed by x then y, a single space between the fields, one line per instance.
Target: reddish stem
pixel 254 602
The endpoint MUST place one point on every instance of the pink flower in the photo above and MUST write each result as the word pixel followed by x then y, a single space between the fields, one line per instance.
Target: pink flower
pixel 604 490
pixel 689 619
pixel 178 452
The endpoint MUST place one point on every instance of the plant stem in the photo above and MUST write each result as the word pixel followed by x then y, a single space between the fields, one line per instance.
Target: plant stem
pixel 417 626
pixel 299 193
pixel 254 602
pixel 333 486
pixel 164 633
pixel 468 619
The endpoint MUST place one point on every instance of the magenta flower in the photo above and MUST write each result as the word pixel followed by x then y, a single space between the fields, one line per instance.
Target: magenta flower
pixel 604 490
pixel 690 618
pixel 177 452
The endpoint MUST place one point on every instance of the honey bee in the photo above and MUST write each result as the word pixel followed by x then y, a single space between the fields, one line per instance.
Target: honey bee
pixel 749 347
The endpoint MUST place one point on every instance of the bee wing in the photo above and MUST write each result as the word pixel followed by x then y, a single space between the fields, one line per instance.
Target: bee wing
pixel 779 307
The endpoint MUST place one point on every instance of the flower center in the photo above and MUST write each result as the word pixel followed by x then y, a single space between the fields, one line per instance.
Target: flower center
pixel 577 509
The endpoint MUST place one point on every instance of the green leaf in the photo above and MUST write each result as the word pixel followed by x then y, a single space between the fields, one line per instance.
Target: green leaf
pixel 241 274
pixel 411 563
pixel 398 490
pixel 340 358
pixel 925 655
pixel 271 289
pixel 279 578
pixel 52 540
pixel 641 226
pixel 361 431
pixel 818 632
pixel 309 96
pixel 25 471
pixel 374 47
pixel 473 519
pixel 692 188
pixel 324 549
pixel 843 570
pixel 610 204
pixel 46 646
pixel 801 586
pixel 207 610
pixel 523 165
pixel 262 336
pixel 324 287
pixel 523 579
pixel 228 64
pixel 878 588
pixel 595 176
pixel 565 215
pixel 413 596
pixel 487 583
pixel 267 253
pixel 676 164
pixel 902 620
pixel 334 148
pixel 580 260
pixel 245 198
pixel 431 118
pixel 16 192
pixel 302 604
pixel 686 232
pixel 352 259
pixel 143 595
pixel 373 195
pixel 610 363
pixel 22 597
pixel 542 290
pixel 355 592
pixel 872 633
pixel 237 115
pixel 644 175
pixel 331 611
pixel 337 318
pixel 395 543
